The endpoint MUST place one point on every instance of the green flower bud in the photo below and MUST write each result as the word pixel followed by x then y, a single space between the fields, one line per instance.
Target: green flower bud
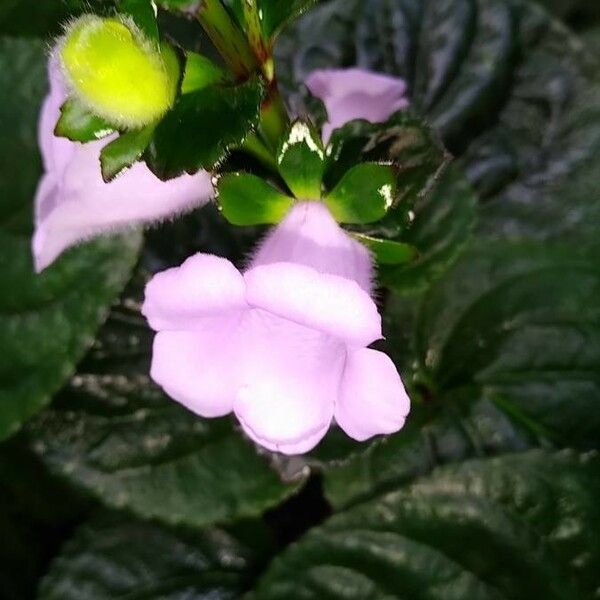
pixel 117 73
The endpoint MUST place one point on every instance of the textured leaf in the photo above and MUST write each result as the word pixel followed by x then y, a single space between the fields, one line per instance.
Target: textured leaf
pixel 78 124
pixel 202 127
pixel 516 527
pixel 246 199
pixel 113 433
pixel 504 357
pixel 499 79
pixel 47 321
pixel 114 556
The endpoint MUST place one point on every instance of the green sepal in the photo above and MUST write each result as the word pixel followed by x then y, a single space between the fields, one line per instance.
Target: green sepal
pixel 301 160
pixel 121 153
pixel 364 194
pixel 78 124
pixel 200 72
pixel 246 199
pixel 387 252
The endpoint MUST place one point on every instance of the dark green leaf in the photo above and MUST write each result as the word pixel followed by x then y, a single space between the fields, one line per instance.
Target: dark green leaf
pixel 438 225
pixel 200 72
pixel 504 356
pixel 516 527
pixel 246 199
pixel 78 124
pixel 143 14
pixel 31 527
pixel 121 153
pixel 47 321
pixel 387 252
pixel 114 556
pixel 404 139
pixel 364 194
pixel 202 127
pixel 115 434
pixel 300 159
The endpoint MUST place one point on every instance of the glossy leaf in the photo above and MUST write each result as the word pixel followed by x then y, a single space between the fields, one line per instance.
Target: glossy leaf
pixel 409 142
pixel 78 124
pixel 503 357
pixel 300 160
pixel 246 199
pixel 115 434
pixel 47 321
pixel 515 527
pixel 364 194
pixel 121 153
pixel 115 556
pixel 438 225
pixel 202 128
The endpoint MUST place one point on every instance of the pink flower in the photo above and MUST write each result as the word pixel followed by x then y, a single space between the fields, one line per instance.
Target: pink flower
pixel 73 203
pixel 284 344
pixel 350 94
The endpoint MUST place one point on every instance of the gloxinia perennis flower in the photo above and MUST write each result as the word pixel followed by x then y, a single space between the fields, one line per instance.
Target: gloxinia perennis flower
pixel 350 94
pixel 284 345
pixel 73 203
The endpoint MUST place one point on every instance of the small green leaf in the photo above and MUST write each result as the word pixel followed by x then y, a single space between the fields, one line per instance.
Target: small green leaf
pixel 202 127
pixel 121 153
pixel 300 159
pixel 143 14
pixel 78 124
pixel 248 200
pixel 364 194
pixel 388 252
pixel 200 72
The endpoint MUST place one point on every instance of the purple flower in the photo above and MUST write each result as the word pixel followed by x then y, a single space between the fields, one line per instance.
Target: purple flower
pixel 350 94
pixel 73 203
pixel 284 344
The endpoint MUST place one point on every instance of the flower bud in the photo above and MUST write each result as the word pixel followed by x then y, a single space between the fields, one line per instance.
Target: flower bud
pixel 117 73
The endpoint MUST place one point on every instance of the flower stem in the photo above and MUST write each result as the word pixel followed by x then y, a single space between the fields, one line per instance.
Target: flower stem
pixel 227 37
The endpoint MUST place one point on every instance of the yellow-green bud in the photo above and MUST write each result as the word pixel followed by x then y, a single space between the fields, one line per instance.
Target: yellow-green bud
pixel 119 74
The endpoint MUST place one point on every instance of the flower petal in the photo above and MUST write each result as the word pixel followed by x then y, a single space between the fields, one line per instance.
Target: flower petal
pixel 350 94
pixel 330 304
pixel 181 297
pixel 372 398
pixel 290 378
pixel 85 206
pixel 309 235
pixel 82 205
pixel 198 368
